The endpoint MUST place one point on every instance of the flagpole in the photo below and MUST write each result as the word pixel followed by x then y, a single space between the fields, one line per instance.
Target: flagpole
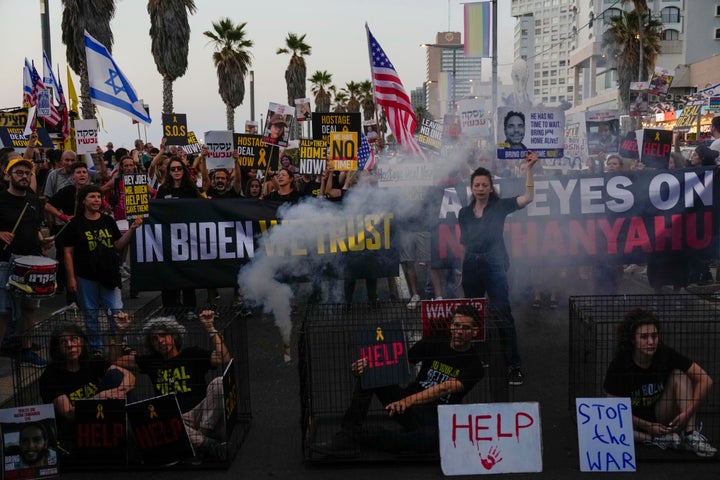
pixel 494 65
pixel 381 135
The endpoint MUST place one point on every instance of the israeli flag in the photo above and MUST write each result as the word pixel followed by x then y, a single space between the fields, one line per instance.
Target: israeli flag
pixel 49 78
pixel 108 86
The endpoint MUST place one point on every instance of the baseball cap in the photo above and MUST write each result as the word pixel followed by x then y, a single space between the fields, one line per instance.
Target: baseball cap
pixel 15 161
pixel 278 119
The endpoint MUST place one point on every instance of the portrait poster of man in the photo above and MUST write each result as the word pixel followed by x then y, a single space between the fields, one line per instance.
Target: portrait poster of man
pixel 539 129
pixel 251 127
pixel 302 109
pixel 661 80
pixel 29 442
pixel 277 124
pixel 638 98
pixel 370 130
pixel 602 130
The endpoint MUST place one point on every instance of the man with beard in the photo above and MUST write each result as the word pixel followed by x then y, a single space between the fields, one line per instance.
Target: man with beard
pixel 20 221
pixel 34 447
pixel 220 184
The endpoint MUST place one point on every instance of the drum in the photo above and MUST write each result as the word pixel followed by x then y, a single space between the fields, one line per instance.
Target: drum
pixel 33 276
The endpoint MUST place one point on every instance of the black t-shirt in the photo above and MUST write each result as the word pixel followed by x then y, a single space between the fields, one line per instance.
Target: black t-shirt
pixel 644 386
pixel 441 363
pixel 56 381
pixel 275 196
pixel 83 234
pixel 183 374
pixel 64 200
pixel 177 192
pixel 309 189
pixel 26 241
pixel 485 234
pixel 214 194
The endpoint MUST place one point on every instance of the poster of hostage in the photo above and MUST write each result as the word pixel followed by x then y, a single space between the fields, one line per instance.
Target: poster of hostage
pixel 29 442
pixel 538 129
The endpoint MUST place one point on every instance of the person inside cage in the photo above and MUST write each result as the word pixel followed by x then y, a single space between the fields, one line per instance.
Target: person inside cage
pixel 173 368
pixel 75 374
pixel 665 387
pixel 449 370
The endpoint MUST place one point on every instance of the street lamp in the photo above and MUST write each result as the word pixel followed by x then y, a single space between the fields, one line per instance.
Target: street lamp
pixel 454 47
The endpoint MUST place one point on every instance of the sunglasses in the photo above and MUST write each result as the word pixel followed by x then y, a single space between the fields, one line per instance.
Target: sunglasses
pixel 176 169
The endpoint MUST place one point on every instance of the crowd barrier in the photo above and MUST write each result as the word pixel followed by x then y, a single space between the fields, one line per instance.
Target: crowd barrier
pixel 328 344
pixel 688 323
pixel 139 443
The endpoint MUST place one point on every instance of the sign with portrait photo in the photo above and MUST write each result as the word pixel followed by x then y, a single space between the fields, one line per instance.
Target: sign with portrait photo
pixel 302 109
pixel 29 442
pixel 278 123
pixel 371 131
pixel 538 129
pixel 661 80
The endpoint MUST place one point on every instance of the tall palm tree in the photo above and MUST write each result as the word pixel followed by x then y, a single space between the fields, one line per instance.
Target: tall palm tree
pixel 622 40
pixel 367 102
pixel 352 89
pixel 296 72
pixel 78 16
pixel 340 101
pixel 232 61
pixel 321 88
pixel 421 113
pixel 170 35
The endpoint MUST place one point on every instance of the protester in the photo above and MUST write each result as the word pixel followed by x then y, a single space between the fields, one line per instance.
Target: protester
pixel 485 259
pixel 449 370
pixel 173 368
pixel 665 387
pixel 20 222
pixel 253 188
pixel 74 374
pixel 285 191
pixel 92 259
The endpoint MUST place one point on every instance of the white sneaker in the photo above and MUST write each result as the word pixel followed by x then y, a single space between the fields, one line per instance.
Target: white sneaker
pixel 696 442
pixel 414 302
pixel 669 440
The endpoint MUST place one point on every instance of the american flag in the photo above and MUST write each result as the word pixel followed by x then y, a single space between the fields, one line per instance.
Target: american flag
pixel 389 93
pixel 40 91
pixel 366 157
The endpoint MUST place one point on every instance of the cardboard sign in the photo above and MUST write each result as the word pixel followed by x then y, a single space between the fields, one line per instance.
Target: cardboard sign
pixel 343 150
pixel 175 128
pixel 437 316
pixel 325 123
pixel 100 432
pixel 278 123
pixel 86 136
pixel 253 153
pixel 688 119
pixel 137 196
pixel 383 346
pixel 313 156
pixel 629 146
pixel 431 134
pixel 473 120
pixel 21 428
pixel 15 137
pixel 302 109
pixel 656 147
pixel 193 146
pixel 605 435
pixel 251 127
pixel 159 430
pixel 538 129
pixel 370 130
pixel 490 438
pixel 230 398
pixel 220 149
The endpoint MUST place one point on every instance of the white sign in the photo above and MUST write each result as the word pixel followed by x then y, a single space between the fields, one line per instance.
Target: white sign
pixel 605 434
pixel 220 149
pixel 86 136
pixel 489 438
pixel 474 120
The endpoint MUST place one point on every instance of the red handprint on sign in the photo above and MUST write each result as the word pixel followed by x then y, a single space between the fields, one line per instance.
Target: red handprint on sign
pixel 492 458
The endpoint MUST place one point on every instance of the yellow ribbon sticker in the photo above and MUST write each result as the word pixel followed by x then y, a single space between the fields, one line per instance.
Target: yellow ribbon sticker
pixel 151 409
pixel 99 413
pixel 379 337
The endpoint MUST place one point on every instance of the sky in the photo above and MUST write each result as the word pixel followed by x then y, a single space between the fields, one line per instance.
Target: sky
pixel 335 31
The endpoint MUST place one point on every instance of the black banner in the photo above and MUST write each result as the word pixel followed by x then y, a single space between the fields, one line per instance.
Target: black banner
pixel 325 123
pixel 202 244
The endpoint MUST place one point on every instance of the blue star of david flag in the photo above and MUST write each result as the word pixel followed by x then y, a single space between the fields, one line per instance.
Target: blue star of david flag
pixel 109 87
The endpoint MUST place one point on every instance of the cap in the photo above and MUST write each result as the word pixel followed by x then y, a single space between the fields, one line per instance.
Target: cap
pixel 15 161
pixel 278 119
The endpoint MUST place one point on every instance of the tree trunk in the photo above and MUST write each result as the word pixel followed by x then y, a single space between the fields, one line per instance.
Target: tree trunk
pixel 167 95
pixel 86 107
pixel 230 116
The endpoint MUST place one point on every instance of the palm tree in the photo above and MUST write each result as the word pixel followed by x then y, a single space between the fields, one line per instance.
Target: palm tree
pixel 232 61
pixel 295 73
pixel 93 16
pixel 341 99
pixel 320 80
pixel 421 113
pixel 622 40
pixel 367 102
pixel 170 34
pixel 352 90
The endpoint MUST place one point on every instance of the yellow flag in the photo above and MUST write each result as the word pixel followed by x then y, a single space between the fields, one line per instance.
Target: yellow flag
pixel 72 94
